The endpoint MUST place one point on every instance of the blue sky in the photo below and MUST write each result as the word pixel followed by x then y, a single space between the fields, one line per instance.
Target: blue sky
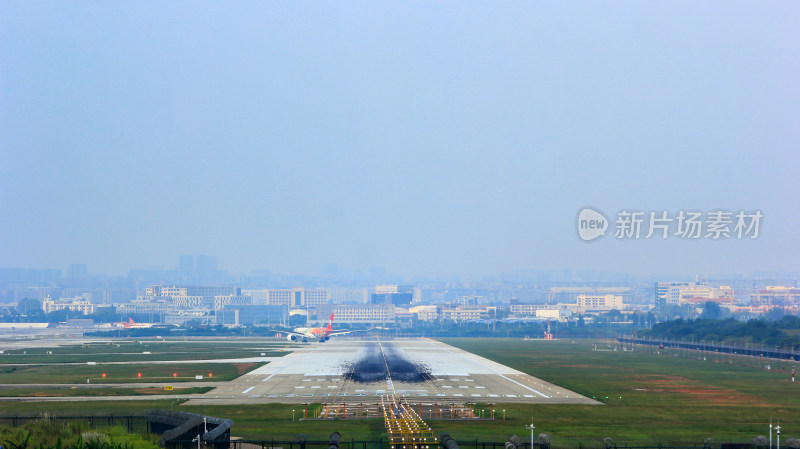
pixel 425 137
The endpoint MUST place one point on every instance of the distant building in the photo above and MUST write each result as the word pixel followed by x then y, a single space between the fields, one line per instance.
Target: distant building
pixel 392 294
pixel 668 293
pixel 150 306
pixel 556 311
pixel 569 295
pixel 343 295
pixel 231 300
pixel 776 296
pixel 702 293
pixel 259 296
pixel 556 314
pixel 599 303
pixel 298 297
pixel 77 271
pixel 77 304
pixel 427 313
pixel 249 315
pixel 467 313
pixel 356 314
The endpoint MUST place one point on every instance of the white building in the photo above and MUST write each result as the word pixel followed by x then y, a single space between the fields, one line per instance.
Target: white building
pixel 598 303
pixel 76 304
pixel 780 296
pixel 356 313
pixel 348 295
pixel 467 313
pixel 297 297
pixel 426 313
pixel 698 293
pixel 569 295
pixel 231 300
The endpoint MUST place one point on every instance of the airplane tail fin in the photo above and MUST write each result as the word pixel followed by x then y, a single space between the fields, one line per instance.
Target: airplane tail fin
pixel 330 323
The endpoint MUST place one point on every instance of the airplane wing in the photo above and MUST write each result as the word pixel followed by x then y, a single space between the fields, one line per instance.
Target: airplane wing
pixel 288 332
pixel 342 332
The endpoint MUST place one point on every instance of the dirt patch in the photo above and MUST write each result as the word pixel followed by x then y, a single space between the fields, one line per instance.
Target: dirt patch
pixel 242 368
pixel 697 393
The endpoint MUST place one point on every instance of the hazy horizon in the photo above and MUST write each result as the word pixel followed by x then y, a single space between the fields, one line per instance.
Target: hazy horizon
pixel 429 138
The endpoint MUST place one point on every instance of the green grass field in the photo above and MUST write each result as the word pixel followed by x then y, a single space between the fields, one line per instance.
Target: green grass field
pixel 66 374
pixel 132 351
pixel 104 391
pixel 648 397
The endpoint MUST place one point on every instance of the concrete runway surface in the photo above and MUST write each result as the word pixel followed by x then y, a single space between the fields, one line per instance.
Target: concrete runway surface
pixel 422 370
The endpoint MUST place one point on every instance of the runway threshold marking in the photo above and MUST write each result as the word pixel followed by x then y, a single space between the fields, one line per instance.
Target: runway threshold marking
pixel 248 390
pixel 524 386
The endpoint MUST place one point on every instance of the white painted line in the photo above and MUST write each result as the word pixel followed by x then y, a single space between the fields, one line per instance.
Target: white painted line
pixel 268 377
pixel 248 390
pixel 525 386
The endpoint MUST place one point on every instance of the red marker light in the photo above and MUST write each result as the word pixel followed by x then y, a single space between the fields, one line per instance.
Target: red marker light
pixel 210 375
pixel 174 374
pixel 139 374
pixel 104 375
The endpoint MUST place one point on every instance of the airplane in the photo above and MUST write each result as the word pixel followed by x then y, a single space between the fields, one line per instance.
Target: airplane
pixel 320 333
pixel 133 325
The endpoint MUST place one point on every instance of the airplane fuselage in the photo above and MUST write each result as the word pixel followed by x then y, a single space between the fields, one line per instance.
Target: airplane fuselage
pixel 313 332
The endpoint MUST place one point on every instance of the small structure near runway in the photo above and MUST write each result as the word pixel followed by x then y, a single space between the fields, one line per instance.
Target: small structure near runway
pixel 188 430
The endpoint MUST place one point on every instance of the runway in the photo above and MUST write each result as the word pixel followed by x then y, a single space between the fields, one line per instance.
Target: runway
pixel 422 370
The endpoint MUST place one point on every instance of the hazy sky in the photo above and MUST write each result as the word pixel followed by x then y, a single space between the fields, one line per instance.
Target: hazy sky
pixel 425 137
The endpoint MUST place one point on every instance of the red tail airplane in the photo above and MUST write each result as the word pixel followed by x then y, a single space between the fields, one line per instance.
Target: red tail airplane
pixel 320 333
pixel 132 325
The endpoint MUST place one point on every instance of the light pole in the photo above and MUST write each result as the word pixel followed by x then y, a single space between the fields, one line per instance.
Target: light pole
pixel 531 427
pixel 778 429
pixel 770 434
pixel 504 414
pixel 770 426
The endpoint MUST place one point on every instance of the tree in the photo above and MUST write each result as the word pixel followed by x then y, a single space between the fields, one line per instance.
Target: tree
pixel 775 314
pixel 711 310
pixel 297 320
